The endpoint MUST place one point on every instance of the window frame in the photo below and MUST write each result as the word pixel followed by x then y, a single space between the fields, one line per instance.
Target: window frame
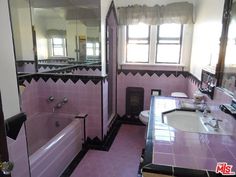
pixel 171 38
pixel 127 39
pixel 93 48
pixel 63 45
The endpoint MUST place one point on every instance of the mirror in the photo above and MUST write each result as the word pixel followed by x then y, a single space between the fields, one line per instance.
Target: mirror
pixel 22 36
pixel 64 32
pixel 67 32
pixel 229 74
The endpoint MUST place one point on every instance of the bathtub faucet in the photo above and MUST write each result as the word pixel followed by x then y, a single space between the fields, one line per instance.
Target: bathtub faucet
pixel 60 104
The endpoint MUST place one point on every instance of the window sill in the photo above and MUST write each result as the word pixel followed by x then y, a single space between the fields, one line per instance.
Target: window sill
pixel 147 66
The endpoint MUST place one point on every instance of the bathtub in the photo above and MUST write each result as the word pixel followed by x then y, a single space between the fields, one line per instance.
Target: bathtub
pixel 53 141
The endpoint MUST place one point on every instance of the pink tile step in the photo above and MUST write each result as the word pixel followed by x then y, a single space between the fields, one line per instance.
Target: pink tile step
pixel 122 160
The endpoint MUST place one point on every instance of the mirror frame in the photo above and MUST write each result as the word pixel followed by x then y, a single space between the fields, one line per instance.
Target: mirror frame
pixel 223 41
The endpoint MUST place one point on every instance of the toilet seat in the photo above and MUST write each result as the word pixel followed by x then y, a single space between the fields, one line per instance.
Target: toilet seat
pixel 144 117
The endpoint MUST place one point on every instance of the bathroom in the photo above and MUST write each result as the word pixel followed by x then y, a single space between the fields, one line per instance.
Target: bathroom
pixel 75 76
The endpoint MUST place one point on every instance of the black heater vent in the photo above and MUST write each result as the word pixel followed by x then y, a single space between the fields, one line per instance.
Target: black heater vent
pixel 134 100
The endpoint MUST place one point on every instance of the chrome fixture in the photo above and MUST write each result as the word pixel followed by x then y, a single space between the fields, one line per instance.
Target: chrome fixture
pixel 60 104
pixel 216 126
pixel 65 100
pixel 6 167
pixel 205 110
pixel 51 99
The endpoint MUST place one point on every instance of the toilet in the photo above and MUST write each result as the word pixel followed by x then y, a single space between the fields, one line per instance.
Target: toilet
pixel 179 95
pixel 144 117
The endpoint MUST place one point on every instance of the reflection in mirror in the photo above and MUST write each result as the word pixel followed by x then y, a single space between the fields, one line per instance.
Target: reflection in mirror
pixel 22 35
pixel 67 32
pixel 229 75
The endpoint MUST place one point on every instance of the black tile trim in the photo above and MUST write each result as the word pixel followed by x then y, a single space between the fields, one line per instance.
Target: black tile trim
pixel 184 172
pixel 22 62
pixel 14 124
pixel 152 72
pixel 194 79
pixel 67 68
pixel 158 169
pixel 50 66
pixel 214 174
pixel 64 78
pixel 69 170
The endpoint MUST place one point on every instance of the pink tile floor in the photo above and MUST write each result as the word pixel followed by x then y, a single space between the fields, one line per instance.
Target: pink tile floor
pixel 122 160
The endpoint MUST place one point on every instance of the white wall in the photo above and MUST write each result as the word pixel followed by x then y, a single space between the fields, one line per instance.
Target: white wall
pixel 22 32
pixel 206 35
pixel 74 28
pixel 123 3
pixel 105 4
pixel 41 36
pixel 8 82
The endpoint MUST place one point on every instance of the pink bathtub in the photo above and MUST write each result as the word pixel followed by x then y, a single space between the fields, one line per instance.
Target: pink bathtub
pixel 53 141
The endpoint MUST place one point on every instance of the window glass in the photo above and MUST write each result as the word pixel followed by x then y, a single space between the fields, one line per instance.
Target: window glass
pixel 58 47
pixel 169 30
pixel 138 43
pixel 138 31
pixel 168 53
pixel 169 43
pixel 92 49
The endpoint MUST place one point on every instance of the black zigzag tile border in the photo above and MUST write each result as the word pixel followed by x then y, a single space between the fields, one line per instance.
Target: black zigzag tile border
pixel 64 78
pixel 152 72
pixel 23 62
pixel 69 69
pixel 194 79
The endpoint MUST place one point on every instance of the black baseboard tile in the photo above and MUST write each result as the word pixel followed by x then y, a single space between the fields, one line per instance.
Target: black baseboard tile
pixel 69 170
pixel 158 169
pixel 184 172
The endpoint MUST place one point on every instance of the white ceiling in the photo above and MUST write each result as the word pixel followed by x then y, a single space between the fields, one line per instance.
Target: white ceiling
pixel 123 3
pixel 87 11
pixel 65 3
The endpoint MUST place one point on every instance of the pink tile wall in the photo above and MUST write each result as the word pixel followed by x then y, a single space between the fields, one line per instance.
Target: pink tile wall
pixel 18 154
pixel 85 98
pixel 29 98
pixel 166 84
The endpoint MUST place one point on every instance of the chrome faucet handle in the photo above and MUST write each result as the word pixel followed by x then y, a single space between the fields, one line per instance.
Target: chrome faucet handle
pixel 65 100
pixel 51 99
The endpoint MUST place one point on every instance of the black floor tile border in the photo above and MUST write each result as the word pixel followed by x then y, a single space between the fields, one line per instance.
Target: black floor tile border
pixel 96 144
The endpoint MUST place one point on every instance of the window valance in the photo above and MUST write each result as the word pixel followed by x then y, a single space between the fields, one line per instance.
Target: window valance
pixel 180 12
pixel 54 33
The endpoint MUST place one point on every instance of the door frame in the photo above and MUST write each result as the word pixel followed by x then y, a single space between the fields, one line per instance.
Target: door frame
pixel 3 140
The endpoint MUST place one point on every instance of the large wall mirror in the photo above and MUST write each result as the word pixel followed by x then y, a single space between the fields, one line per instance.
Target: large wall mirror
pixel 56 32
pixel 229 74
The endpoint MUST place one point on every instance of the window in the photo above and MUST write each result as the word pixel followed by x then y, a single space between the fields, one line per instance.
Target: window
pixel 137 43
pixel 92 49
pixel 154 44
pixel 58 47
pixel 169 43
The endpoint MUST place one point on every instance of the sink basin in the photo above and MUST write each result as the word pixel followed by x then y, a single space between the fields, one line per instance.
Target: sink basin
pixel 191 122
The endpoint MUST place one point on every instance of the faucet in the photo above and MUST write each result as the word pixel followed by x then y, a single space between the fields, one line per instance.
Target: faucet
pixel 60 104
pixel 216 126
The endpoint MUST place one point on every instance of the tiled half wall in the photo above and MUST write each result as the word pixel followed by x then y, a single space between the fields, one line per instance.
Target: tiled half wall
pixel 167 82
pixel 83 97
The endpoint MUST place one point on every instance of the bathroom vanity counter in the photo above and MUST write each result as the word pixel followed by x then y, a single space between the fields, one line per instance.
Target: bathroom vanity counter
pixel 173 152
